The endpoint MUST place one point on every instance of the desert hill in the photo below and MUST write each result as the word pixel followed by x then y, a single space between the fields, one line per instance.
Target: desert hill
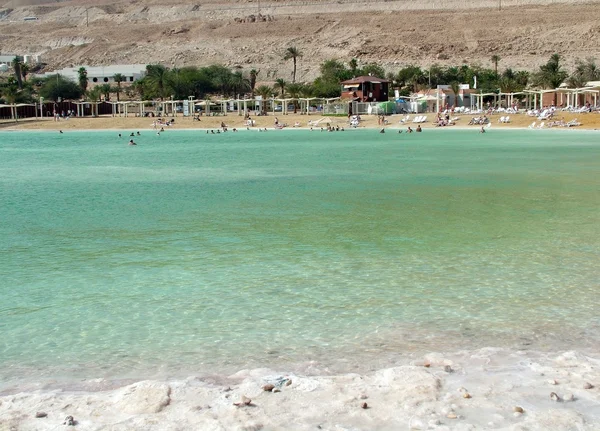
pixel 254 34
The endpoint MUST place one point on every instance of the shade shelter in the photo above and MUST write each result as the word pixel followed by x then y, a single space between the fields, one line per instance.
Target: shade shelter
pixel 13 109
pixel 532 97
pixel 571 97
pixel 305 103
pixel 206 104
pixel 479 98
pixel 509 97
pixel 82 104
pixel 284 104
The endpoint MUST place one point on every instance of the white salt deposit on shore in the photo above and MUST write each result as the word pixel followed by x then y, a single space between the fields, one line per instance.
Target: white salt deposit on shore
pixel 483 389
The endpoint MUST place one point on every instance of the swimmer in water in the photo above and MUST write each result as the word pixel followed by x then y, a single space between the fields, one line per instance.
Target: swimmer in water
pixel 119 135
pixel 60 131
pixel 138 133
pixel 482 130
pixel 419 128
pixel 131 142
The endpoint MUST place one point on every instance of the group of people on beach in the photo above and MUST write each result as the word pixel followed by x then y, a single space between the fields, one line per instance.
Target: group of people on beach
pixel 160 122
pixel 445 120
pixel 62 115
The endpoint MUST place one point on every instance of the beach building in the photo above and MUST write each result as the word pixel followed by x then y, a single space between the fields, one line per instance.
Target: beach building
pixel 27 58
pixel 102 74
pixel 366 89
pixel 442 97
pixel 7 58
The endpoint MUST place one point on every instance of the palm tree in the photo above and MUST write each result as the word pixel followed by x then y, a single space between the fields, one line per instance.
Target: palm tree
pixel 222 80
pixel 157 77
pixel 293 53
pixel 139 87
pixel 118 78
pixel 590 70
pixel 10 93
pixel 353 66
pixel 295 91
pixel 585 71
pixel 417 79
pixel 94 96
pixel 551 75
pixel 509 85
pixel 265 92
pixel 495 59
pixel 576 80
pixel 17 63
pixel 281 84
pixel 455 89
pixel 24 71
pixel 82 77
pixel 253 74
pixel 105 90
pixel 522 78
pixel 238 83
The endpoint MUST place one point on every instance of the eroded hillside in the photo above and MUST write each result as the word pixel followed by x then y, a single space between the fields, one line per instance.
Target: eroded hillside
pixel 253 34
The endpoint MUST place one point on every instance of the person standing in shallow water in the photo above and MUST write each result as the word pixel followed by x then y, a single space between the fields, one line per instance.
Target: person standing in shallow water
pixel 419 128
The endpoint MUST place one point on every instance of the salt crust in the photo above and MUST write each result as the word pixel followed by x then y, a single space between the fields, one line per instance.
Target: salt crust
pixel 426 394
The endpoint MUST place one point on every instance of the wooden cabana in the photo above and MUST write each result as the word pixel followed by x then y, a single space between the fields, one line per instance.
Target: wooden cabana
pixel 365 89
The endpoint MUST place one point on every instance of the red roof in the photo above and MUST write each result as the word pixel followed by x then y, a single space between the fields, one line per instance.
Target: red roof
pixel 361 79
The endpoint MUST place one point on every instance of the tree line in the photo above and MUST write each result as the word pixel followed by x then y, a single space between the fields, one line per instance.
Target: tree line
pixel 162 83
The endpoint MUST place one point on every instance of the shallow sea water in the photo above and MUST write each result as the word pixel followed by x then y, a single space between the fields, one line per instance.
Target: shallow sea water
pixel 196 253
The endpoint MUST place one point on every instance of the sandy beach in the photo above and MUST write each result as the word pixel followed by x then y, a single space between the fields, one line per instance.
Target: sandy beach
pixel 589 121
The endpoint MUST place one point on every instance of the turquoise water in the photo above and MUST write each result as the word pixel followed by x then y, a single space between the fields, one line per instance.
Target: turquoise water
pixel 197 253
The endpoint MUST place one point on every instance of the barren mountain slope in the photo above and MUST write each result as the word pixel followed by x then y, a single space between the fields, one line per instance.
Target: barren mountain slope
pixel 393 33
